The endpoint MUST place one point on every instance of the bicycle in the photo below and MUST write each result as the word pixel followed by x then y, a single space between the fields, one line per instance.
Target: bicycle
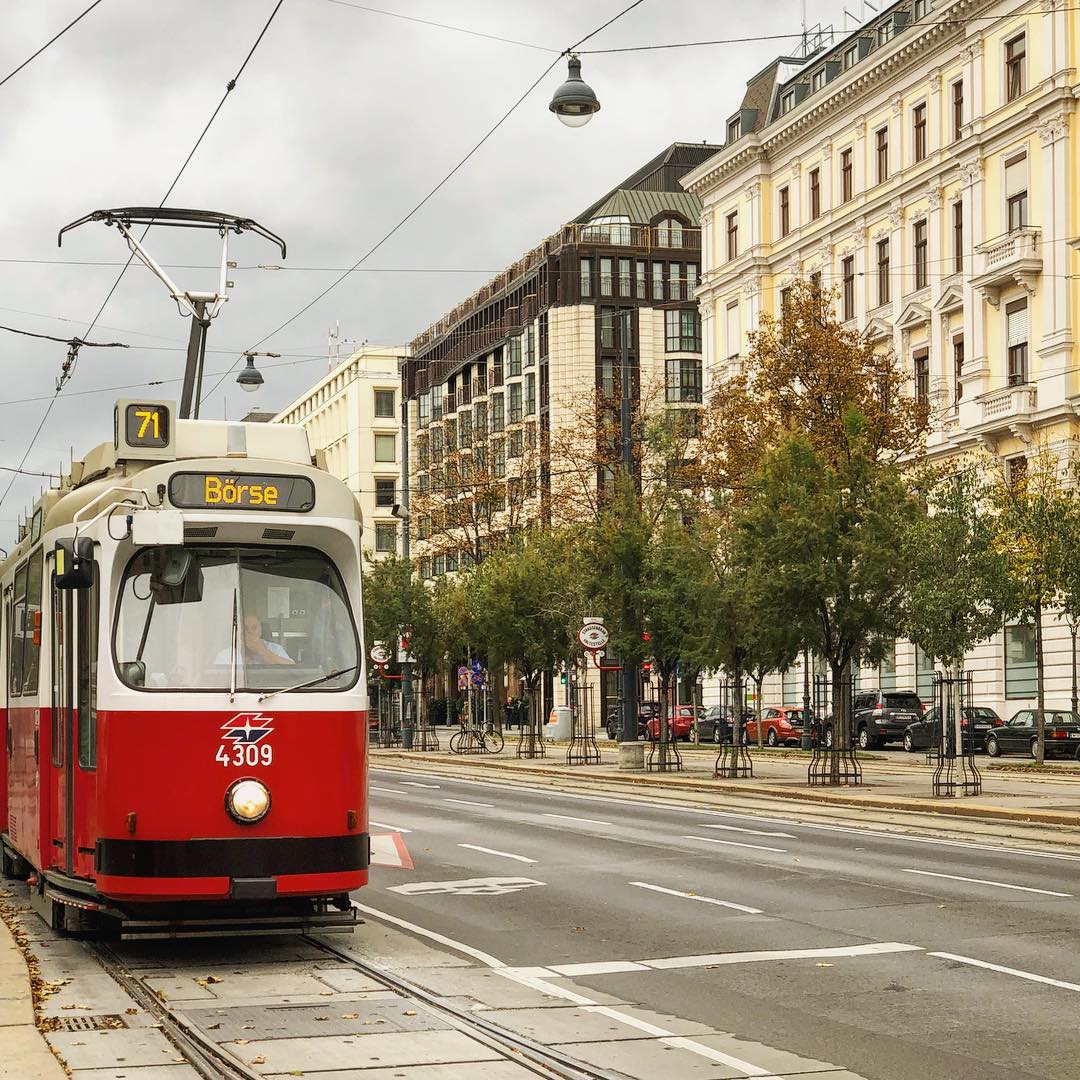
pixel 484 742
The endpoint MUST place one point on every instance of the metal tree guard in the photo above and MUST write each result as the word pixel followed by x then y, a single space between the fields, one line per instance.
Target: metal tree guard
pixel 583 749
pixel 956 773
pixel 425 737
pixel 834 762
pixel 664 753
pixel 531 741
pixel 734 761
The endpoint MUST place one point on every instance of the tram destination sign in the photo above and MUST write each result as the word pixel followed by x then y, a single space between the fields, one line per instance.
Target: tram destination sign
pixel 241 491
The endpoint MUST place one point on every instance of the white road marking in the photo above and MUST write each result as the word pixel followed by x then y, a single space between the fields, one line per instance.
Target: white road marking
pixel 754 832
pixel 492 851
pixel 388 849
pixel 466 802
pixel 598 967
pixel 701 899
pixel 468 887
pixel 876 948
pixel 392 790
pixel 485 958
pixel 735 843
pixel 983 881
pixel 415 783
pixel 719 1056
pixel 392 828
pixel 583 820
pixel 1029 975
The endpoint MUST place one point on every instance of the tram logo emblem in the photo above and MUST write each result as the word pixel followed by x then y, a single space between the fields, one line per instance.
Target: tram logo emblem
pixel 246 729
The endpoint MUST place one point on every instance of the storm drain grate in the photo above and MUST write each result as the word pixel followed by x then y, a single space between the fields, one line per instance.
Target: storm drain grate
pixel 88 1023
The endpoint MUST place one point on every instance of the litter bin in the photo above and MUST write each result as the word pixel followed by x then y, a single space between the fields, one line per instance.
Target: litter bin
pixel 560 723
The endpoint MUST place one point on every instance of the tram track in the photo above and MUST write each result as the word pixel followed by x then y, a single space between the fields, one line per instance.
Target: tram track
pixel 212 1061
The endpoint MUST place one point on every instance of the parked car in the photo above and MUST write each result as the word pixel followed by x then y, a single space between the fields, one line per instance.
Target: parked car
pixel 976 721
pixel 779 726
pixel 682 722
pixel 646 711
pixel 882 716
pixel 1019 736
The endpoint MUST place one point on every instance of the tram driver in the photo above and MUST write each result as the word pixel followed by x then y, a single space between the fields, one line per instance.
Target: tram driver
pixel 257 649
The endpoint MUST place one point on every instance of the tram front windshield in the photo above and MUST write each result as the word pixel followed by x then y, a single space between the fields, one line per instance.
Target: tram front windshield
pixel 216 618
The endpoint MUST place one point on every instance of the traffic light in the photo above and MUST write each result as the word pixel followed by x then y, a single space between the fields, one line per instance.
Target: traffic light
pixel 562 678
pixel 646 669
pixel 646 636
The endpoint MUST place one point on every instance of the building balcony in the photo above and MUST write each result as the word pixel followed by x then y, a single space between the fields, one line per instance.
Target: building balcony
pixel 1009 260
pixel 1010 410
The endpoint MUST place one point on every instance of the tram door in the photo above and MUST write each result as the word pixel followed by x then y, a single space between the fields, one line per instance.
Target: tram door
pixel 63 723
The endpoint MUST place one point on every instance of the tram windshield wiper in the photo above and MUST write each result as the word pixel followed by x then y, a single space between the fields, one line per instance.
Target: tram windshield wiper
pixel 309 682
pixel 232 647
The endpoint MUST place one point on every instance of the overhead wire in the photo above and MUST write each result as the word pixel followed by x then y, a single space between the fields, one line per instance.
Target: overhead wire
pixel 431 193
pixel 69 365
pixel 56 37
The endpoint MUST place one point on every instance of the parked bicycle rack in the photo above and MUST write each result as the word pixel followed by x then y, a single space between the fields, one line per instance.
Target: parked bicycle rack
pixel 583 749
pixel 734 761
pixel 955 773
pixel 531 742
pixel 835 761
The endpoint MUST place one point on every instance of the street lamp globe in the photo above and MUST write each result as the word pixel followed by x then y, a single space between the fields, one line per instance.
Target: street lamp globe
pixel 574 102
pixel 250 377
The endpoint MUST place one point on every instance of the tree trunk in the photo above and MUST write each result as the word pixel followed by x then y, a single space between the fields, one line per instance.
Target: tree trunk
pixel 759 681
pixel 841 706
pixel 1040 716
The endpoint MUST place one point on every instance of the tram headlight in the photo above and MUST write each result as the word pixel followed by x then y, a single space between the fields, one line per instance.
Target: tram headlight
pixel 247 801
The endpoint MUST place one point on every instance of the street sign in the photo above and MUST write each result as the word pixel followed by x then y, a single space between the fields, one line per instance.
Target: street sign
pixel 463 678
pixel 593 636
pixel 380 655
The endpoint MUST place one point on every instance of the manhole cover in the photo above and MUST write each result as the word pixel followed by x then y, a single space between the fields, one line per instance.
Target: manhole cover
pixel 88 1023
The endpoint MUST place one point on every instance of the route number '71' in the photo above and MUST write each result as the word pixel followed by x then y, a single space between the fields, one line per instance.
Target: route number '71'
pixel 146 417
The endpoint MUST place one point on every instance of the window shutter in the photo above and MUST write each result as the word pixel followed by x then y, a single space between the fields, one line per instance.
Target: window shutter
pixel 1016 175
pixel 1017 315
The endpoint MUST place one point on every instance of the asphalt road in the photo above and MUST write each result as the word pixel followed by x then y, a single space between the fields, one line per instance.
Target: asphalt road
pixel 944 959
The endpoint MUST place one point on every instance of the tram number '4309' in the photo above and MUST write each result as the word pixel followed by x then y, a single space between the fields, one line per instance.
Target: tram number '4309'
pixel 245 741
pixel 239 754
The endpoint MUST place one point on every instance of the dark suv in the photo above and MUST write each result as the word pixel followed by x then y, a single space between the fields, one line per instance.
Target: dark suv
pixel 881 716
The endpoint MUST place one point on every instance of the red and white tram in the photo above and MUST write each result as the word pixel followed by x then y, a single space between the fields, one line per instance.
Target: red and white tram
pixel 183 692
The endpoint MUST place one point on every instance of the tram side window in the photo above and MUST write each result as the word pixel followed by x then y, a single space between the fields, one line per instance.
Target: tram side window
pixel 24 636
pixel 88 664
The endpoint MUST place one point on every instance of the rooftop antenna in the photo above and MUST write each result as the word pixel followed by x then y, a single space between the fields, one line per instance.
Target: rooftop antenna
pixel 805 42
pixel 333 352
pixel 866 3
pixel 201 306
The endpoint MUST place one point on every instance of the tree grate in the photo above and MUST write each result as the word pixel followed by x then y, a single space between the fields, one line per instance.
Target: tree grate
pixel 88 1023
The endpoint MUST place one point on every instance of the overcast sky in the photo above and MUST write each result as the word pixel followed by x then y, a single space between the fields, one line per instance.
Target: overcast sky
pixel 343 120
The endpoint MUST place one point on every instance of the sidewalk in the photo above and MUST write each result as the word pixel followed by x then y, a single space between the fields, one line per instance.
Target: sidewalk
pixel 25 1054
pixel 890 782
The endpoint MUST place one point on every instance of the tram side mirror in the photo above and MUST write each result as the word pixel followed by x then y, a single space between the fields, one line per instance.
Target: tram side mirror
pixel 133 673
pixel 176 577
pixel 73 562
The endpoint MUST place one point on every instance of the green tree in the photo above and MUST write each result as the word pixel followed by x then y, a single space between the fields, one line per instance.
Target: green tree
pixel 820 538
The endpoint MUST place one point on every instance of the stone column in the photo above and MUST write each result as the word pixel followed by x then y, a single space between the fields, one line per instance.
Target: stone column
pixel 829 197
pixel 899 272
pixel 938 360
pixel 976 364
pixel 1056 345
pixel 934 141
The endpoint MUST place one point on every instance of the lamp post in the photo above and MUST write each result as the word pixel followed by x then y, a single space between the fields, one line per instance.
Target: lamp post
pixel 1073 627
pixel 807 739
pixel 401 511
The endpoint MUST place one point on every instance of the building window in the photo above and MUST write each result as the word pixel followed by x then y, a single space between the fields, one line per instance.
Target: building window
pixel 1016 318
pixel 815 194
pixel 787 102
pixel 586 277
pixel 606 283
pixel 817 80
pixel 885 32
pixel 920 9
pixel 785 302
pixel 479 421
pixel 465 428
pixel 1020 673
pixel 439 565
pixel 921 363
pixel 847 267
pixel 957 108
pixel 515 402
pixel 530 345
pixel 958 236
pixel 881 143
pixel 385 537
pixel 425 567
pixel 385 492
pixel 691 280
pixel 438 394
pixel 924 674
pixel 1016 184
pixel 514 444
pixel 498 457
pixel 436 445
pixel 790 687
pixel 498 412
pixel 424 406
pixel 683 380
pixel 732 235
pixel 682 330
pixel 639 279
pixel 607 328
pixel 530 394
pixel 918 130
pixel 1015 470
pixel 624 277
pixel 733 130
pixel 514 351
pixel 384 403
pixel 920 244
pixel 846 179
pixel 658 281
pixel 785 211
pixel 675 289
pixel 385 448
pixel 883 271
pixel 1015 66
pixel 851 56
pixel 887 669
pixel 958 368
pixel 669 233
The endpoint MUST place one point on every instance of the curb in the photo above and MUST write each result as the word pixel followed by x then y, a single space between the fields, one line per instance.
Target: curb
pixel 820 798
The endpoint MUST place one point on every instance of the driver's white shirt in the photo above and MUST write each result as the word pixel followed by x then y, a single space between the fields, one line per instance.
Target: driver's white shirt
pixel 225 656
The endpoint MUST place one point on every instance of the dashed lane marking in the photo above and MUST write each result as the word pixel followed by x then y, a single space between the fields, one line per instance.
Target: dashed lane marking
pixel 753 832
pixel 467 802
pixel 984 881
pixel 583 820
pixel 1029 975
pixel 700 899
pixel 416 783
pixel 501 854
pixel 390 828
pixel 736 843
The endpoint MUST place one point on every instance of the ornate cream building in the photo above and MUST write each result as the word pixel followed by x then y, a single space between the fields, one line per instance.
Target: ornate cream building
pixel 925 165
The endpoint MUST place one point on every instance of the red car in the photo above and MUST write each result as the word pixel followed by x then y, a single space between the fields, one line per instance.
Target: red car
pixel 778 726
pixel 682 722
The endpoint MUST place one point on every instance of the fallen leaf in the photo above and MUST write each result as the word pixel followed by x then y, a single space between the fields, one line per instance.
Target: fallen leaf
pixel 350 1016
pixel 248 1027
pixel 132 1012
pixel 409 1012
pixel 242 1042
pixel 822 964
pixel 326 993
pixel 212 1027
pixel 212 979
pixel 579 929
pixel 258 1059
pixel 322 1017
